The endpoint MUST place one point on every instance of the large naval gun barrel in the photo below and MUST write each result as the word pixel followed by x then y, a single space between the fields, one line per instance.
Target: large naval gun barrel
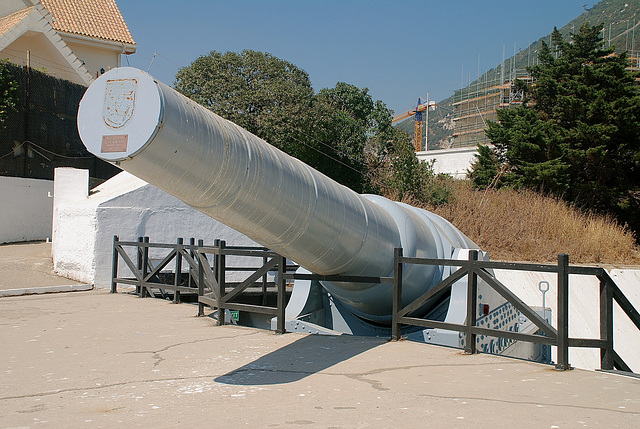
pixel 153 132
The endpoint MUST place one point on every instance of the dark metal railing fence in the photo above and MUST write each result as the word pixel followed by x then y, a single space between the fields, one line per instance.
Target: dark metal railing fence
pixel 147 273
pixel 207 279
pixel 212 288
pixel 473 268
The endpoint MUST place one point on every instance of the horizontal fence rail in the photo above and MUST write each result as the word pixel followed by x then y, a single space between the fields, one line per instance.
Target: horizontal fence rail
pixel 213 287
pixel 207 280
pixel 474 268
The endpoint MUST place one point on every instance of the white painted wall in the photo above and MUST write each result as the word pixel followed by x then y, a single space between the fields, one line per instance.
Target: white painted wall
pixel 455 161
pixel 130 208
pixel 95 57
pixel 26 209
pixel 73 221
pixel 148 211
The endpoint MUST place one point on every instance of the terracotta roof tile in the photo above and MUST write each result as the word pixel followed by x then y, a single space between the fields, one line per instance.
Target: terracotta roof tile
pixel 100 19
pixel 7 22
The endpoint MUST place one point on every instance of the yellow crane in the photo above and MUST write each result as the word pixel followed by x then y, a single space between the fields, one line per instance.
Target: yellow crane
pixel 417 114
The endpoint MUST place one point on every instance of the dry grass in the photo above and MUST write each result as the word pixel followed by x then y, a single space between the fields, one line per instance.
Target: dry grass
pixel 525 226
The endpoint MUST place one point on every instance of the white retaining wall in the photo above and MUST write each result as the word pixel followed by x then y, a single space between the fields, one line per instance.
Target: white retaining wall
pixel 72 222
pixel 26 209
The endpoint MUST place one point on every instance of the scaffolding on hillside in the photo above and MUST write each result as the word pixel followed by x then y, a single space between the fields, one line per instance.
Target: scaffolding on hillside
pixel 477 103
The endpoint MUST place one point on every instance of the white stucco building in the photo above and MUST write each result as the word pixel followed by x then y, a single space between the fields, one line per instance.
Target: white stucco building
pixel 76 40
pixel 454 161
pixel 84 225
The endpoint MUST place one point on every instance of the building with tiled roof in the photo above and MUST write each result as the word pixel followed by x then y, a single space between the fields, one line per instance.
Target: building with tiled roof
pixel 92 19
pixel 75 40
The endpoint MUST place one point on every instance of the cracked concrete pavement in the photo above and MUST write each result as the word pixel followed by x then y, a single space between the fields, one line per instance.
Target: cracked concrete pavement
pixel 94 359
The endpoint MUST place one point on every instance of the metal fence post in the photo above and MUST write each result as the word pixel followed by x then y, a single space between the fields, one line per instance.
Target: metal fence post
pixel 396 331
pixel 264 282
pixel 606 325
pixel 114 266
pixel 216 257
pixel 282 265
pixel 200 279
pixel 563 313
pixel 192 242
pixel 472 304
pixel 145 267
pixel 178 274
pixel 139 257
pixel 221 279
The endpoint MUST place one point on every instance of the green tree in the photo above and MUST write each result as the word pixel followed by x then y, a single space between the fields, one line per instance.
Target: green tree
pixel 577 134
pixel 256 90
pixel 8 92
pixel 345 119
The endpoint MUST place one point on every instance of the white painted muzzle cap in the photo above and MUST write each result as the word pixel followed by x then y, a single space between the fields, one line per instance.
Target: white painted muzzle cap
pixel 120 113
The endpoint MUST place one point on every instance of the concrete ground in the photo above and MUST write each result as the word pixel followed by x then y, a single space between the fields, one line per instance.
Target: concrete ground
pixel 94 359
pixel 27 268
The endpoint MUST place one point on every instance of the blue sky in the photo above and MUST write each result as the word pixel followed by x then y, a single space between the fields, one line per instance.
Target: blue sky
pixel 399 50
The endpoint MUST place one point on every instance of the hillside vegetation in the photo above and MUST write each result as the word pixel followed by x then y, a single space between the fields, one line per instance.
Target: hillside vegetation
pixel 526 226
